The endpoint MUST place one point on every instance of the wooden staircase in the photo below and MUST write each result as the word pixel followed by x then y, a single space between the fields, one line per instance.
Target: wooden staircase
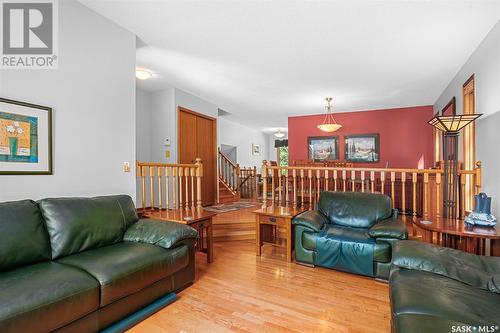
pixel 226 194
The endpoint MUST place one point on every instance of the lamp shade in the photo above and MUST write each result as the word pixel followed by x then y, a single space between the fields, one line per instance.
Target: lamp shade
pixel 454 123
pixel 329 127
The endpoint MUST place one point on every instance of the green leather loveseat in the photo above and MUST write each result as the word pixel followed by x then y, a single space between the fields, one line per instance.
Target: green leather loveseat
pixel 353 225
pixel 82 264
pixel 442 290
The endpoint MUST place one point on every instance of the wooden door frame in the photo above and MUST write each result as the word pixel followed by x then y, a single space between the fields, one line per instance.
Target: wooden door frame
pixel 214 120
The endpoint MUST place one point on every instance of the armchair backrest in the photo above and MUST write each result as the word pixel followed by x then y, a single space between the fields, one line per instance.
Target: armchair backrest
pixel 355 209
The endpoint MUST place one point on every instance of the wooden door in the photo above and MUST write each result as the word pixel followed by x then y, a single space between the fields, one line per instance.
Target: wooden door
pixel 197 138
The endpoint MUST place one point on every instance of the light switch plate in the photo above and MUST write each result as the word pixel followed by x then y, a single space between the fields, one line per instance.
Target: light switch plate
pixel 167 153
pixel 126 167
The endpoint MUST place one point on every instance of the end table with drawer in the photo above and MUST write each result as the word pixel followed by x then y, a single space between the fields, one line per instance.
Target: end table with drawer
pixel 274 227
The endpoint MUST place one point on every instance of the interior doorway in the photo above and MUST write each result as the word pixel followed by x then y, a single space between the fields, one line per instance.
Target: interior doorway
pixel 197 137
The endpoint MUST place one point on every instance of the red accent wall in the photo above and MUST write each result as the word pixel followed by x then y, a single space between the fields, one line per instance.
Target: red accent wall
pixel 405 135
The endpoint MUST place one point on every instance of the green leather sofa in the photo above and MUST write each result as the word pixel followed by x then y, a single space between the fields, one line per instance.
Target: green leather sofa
pixel 355 218
pixel 437 289
pixel 82 264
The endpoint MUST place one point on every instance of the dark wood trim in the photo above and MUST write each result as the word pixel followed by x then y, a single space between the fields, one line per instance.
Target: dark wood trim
pixel 50 142
pixel 452 104
pixel 468 81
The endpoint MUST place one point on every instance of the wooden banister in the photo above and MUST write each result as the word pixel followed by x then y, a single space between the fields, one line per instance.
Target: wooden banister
pixel 170 186
pixel 412 191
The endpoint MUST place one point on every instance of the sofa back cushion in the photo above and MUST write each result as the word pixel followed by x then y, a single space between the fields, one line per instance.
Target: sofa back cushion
pixel 354 209
pixel 79 224
pixel 23 237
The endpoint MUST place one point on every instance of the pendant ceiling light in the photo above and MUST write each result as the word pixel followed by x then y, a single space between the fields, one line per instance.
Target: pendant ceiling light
pixel 279 134
pixel 329 124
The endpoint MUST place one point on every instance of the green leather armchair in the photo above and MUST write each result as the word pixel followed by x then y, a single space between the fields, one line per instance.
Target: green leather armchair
pixel 349 220
pixel 82 264
pixel 437 289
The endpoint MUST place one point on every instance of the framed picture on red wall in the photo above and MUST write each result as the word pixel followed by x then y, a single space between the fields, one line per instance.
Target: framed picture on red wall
pixel 323 148
pixel 364 148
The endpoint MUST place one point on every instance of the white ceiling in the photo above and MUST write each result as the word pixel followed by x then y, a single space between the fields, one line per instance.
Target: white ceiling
pixel 266 60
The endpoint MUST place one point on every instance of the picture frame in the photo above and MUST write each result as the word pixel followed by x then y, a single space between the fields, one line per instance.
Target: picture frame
pixel 255 149
pixel 362 148
pixel 323 148
pixel 25 138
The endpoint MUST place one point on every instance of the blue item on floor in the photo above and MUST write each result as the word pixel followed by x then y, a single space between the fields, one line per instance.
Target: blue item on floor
pixel 140 315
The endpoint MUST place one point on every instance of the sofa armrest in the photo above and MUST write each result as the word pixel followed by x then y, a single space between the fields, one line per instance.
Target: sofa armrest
pixel 389 228
pixel 161 233
pixel 311 219
pixel 477 271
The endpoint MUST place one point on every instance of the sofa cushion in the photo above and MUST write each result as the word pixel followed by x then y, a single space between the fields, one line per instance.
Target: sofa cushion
pixel 23 238
pixel 382 250
pixel 125 268
pixel 417 323
pixel 45 296
pixel 354 209
pixel 417 292
pixel 79 224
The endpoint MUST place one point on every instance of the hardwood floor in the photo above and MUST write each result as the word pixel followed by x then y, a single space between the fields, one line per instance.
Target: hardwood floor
pixel 235 225
pixel 240 292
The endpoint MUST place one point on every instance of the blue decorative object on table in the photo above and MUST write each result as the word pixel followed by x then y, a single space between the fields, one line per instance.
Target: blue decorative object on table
pixel 481 215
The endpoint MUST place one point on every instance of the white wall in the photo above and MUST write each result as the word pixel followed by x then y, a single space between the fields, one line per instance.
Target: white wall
pixel 235 134
pixel 485 65
pixel 92 94
pixel 143 125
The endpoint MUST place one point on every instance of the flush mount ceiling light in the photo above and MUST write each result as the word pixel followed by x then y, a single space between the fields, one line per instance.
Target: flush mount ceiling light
pixel 329 124
pixel 279 134
pixel 143 74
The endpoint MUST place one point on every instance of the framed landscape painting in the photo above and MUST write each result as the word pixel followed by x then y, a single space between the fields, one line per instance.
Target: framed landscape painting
pixel 323 148
pixel 362 148
pixel 25 138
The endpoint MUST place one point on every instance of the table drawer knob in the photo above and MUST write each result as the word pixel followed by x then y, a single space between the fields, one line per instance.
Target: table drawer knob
pixel 272 219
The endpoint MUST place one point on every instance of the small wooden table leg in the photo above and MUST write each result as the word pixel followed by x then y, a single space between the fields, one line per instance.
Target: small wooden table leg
pixel 257 235
pixel 289 240
pixel 210 245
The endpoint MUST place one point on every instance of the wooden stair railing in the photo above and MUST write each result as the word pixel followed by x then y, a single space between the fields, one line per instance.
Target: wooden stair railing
pixel 249 183
pixel 229 172
pixel 413 191
pixel 170 186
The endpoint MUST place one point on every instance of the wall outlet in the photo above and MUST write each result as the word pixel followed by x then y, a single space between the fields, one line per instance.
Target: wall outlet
pixel 167 153
pixel 126 167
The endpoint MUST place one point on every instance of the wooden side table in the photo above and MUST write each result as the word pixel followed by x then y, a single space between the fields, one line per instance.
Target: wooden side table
pixel 458 235
pixel 200 220
pixel 269 221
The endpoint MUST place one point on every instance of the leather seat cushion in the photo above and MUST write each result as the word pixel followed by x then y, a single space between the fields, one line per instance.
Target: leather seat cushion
pixel 417 292
pixel 45 296
pixel 125 268
pixel 382 250
pixel 18 219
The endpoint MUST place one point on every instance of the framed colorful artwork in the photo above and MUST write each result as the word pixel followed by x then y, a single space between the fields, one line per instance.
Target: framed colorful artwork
pixel 363 148
pixel 25 138
pixel 323 148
